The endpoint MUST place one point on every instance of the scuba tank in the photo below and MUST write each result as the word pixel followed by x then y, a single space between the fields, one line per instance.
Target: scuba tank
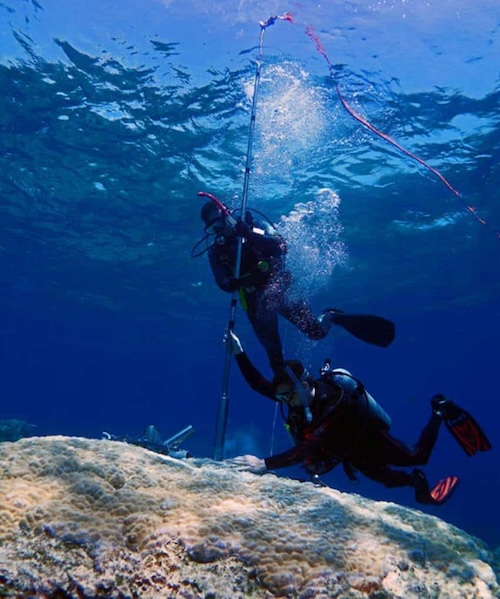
pixel 355 395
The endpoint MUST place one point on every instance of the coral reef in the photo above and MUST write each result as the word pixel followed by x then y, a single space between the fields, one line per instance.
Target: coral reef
pixel 88 518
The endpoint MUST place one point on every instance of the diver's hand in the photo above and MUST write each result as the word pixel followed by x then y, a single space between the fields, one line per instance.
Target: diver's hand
pixel 249 463
pixel 242 229
pixel 234 343
pixel 228 284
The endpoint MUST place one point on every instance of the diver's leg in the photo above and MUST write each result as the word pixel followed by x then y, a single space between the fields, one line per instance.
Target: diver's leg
pixel 400 454
pixel 263 317
pixel 300 314
pixel 417 480
pixel 389 477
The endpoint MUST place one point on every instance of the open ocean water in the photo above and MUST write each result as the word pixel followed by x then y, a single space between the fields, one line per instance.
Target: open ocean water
pixel 113 115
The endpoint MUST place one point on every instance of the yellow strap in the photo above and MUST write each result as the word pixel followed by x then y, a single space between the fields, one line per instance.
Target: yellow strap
pixel 243 299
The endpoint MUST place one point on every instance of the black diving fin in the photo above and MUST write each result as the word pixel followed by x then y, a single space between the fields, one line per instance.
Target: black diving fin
pixel 462 426
pixel 372 329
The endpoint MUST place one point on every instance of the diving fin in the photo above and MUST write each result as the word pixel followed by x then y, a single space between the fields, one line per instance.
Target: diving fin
pixel 444 489
pixel 439 495
pixel 372 329
pixel 467 432
pixel 469 435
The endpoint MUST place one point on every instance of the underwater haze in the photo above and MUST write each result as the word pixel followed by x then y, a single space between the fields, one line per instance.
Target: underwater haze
pixel 115 114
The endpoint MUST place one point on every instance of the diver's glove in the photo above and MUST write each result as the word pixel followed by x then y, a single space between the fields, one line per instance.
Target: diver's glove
pixel 229 284
pixel 242 229
pixel 445 408
pixel 234 343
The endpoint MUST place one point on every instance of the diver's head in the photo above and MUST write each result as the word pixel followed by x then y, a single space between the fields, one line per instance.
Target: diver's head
pixel 213 218
pixel 291 383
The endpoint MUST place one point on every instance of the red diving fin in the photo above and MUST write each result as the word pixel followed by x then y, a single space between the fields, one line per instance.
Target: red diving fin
pixel 444 490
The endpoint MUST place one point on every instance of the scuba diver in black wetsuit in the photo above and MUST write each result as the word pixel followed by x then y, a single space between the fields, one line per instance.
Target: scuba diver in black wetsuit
pixel 335 420
pixel 264 283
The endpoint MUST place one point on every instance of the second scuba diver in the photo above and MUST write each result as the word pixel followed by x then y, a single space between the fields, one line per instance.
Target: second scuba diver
pixel 264 283
pixel 334 420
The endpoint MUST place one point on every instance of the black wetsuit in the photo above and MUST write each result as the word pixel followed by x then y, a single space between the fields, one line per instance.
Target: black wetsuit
pixel 263 283
pixel 340 433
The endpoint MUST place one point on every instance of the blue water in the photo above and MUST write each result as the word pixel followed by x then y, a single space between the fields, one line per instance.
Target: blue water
pixel 115 114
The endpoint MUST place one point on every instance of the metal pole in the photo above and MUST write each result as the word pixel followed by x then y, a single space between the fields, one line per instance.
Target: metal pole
pixel 223 409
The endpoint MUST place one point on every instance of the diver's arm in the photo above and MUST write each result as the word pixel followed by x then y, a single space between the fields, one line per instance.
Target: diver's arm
pixel 291 457
pixel 310 448
pixel 272 245
pixel 251 463
pixel 253 377
pixel 261 235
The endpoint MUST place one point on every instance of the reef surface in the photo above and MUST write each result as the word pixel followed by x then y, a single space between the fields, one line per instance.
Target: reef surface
pixel 97 518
